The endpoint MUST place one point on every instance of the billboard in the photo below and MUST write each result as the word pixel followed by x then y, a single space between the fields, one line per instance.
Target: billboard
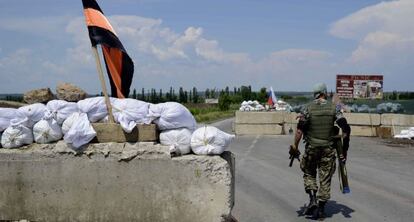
pixel 360 86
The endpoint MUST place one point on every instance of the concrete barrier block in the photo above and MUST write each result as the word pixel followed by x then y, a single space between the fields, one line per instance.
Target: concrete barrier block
pixel 397 129
pixel 288 126
pixel 390 119
pixel 291 117
pixel 114 182
pixel 363 119
pixel 259 117
pixel 384 132
pixel 363 131
pixel 258 129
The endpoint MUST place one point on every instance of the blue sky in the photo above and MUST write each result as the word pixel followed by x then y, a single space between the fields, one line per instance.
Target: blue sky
pixel 289 45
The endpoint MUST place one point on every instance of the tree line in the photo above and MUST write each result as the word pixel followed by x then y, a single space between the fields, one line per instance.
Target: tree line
pixel 399 95
pixel 236 95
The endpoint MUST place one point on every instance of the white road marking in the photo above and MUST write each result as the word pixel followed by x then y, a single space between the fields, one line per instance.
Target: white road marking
pixel 249 150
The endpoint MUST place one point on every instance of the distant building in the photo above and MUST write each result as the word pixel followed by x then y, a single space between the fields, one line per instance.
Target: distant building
pixel 211 101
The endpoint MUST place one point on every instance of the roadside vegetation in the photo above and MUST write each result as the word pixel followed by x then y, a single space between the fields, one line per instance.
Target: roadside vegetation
pixel 222 103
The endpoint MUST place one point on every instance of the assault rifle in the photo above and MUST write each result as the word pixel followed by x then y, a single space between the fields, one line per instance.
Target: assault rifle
pixel 342 173
pixel 293 157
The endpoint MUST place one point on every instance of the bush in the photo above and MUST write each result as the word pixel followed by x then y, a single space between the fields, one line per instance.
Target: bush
pixel 224 102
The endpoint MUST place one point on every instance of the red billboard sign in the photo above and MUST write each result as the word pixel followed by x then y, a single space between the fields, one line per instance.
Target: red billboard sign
pixel 360 86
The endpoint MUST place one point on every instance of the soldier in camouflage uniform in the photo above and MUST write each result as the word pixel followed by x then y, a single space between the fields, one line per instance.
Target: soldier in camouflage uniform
pixel 316 125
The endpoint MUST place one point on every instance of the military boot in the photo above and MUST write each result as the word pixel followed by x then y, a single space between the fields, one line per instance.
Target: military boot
pixel 312 202
pixel 320 214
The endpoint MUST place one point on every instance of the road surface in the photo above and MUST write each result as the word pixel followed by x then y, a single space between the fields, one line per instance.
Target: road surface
pixel 381 178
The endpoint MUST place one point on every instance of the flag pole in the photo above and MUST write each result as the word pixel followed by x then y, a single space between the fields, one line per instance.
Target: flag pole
pixel 103 84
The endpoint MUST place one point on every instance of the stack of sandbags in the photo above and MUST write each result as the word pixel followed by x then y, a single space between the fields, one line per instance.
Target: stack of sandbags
pixel 171 115
pixel 251 106
pixel 176 124
pixel 209 140
pixel 30 114
pixel 130 112
pixel 94 108
pixel 178 139
pixel 78 130
pixel 60 110
pixel 17 134
pixel 6 115
pixel 47 130
pixel 406 134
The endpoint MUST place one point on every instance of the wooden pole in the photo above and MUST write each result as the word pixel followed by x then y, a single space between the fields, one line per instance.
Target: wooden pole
pixel 103 84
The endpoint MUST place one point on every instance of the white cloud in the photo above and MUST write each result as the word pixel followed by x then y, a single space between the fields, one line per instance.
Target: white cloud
pixel 46 27
pixel 384 31
pixel 165 57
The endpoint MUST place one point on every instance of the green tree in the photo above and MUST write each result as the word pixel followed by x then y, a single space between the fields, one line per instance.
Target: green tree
pixel 227 90
pixel 224 101
pixel 195 95
pixel 134 94
pixel 262 96
pixel 143 94
pixel 245 92
pixel 181 96
pixel 207 93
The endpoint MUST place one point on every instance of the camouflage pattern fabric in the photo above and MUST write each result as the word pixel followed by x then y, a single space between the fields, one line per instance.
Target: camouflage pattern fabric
pixel 318 161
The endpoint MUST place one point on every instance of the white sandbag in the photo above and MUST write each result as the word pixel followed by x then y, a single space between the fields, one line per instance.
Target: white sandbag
pixel 402 136
pixel 81 132
pixel 67 124
pixel 47 131
pixel 209 140
pixel 95 108
pixel 17 135
pixel 171 115
pixel 6 115
pixel 178 139
pixel 34 113
pixel 61 109
pixel 129 112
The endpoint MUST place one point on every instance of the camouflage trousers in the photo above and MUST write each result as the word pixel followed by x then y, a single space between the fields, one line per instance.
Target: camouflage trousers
pixel 318 161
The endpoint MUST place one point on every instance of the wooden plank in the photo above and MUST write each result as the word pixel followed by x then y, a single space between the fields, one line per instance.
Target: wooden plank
pixel 112 132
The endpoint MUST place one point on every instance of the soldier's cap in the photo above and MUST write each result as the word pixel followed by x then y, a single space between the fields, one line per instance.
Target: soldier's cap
pixel 319 89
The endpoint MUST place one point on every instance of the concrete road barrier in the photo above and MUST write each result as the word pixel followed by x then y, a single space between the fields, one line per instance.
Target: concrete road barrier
pixel 362 124
pixel 367 131
pixel 259 117
pixel 363 119
pixel 389 119
pixel 114 182
pixel 258 129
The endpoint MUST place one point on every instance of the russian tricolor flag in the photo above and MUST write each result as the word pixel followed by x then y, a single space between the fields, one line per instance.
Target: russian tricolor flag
pixel 272 100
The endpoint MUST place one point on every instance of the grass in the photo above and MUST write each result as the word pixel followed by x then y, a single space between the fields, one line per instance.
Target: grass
pixel 210 113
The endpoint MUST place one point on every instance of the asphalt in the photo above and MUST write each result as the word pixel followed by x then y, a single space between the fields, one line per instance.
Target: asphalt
pixel 381 179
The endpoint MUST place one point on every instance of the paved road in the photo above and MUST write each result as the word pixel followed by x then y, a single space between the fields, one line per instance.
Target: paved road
pixel 381 179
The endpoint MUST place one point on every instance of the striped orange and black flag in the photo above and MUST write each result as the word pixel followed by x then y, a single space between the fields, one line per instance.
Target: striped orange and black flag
pixel 119 65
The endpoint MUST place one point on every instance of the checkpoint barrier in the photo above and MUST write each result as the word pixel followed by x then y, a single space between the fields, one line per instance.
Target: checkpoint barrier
pixel 114 182
pixel 280 123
